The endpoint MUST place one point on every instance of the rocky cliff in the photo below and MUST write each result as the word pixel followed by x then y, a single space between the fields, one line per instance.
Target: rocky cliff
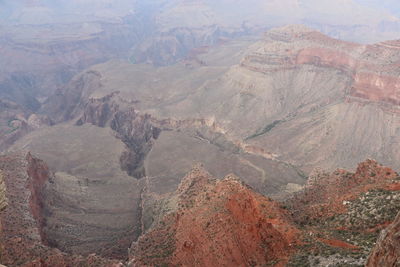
pixel 23 242
pixel 293 88
pixel 218 223
pixel 135 130
pixel 332 81
pixel 343 212
pixel 91 204
pixel 387 250
pixel 335 220
pixel 326 194
pixel 290 89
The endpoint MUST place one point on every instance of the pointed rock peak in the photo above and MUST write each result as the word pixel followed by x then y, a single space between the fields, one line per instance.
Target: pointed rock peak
pixel 196 178
pixel 220 223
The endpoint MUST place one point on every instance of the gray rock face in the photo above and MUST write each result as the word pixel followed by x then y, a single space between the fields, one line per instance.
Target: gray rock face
pixel 90 205
pixel 309 99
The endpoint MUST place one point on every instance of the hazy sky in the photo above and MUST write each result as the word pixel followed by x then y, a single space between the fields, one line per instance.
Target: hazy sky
pixel 25 11
pixel 378 15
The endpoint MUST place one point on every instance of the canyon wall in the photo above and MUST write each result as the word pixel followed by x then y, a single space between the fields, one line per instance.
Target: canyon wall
pixel 23 241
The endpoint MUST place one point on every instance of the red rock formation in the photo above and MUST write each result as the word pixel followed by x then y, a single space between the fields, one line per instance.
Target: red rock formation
pixel 215 222
pixel 218 223
pixel 373 68
pixel 387 250
pixel 326 194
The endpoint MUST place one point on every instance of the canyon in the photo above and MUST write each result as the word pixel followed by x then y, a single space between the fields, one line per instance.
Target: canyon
pixel 165 133
pixel 23 243
pixel 152 133
pixel 336 219
pixel 306 99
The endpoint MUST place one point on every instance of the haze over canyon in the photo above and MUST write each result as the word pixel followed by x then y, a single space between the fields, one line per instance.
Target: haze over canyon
pixel 199 133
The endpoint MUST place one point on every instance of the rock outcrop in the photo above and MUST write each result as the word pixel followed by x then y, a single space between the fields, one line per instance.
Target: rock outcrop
pixel 135 130
pixel 343 213
pixel 16 121
pixel 335 220
pixel 218 223
pixel 387 249
pixel 215 222
pixel 327 194
pixel 69 100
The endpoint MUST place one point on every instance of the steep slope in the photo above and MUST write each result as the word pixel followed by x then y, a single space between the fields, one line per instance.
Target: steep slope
pixel 152 142
pixel 217 223
pixel 23 242
pixel 327 193
pixel 342 213
pixel 40 56
pixel 310 99
pixel 92 205
pixel 334 221
pixel 387 250
pixel 209 222
pixel 146 158
pixel 303 97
